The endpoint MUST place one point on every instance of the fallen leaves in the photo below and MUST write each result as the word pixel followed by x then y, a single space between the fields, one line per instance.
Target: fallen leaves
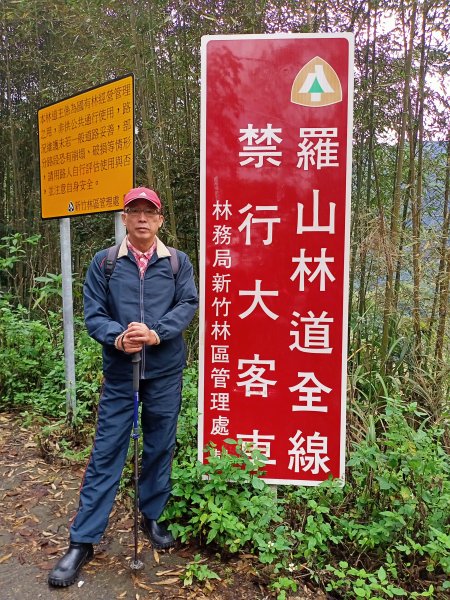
pixel 143 586
pixel 170 581
pixel 39 498
pixel 49 550
pixel 170 572
pixel 25 532
pixel 5 558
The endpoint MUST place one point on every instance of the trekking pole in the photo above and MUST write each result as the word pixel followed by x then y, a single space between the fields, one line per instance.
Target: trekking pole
pixel 136 564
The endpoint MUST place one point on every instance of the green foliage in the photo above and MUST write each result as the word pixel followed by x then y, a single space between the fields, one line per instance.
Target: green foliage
pixel 282 585
pixel 391 517
pixel 12 249
pixel 52 286
pixel 27 353
pixel 16 251
pixel 358 583
pixel 403 480
pixel 67 441
pixel 368 538
pixel 187 424
pixel 390 520
pixel 222 501
pixel 32 364
pixel 197 571
pixel 88 373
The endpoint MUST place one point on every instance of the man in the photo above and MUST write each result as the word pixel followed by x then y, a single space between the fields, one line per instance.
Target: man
pixel 144 307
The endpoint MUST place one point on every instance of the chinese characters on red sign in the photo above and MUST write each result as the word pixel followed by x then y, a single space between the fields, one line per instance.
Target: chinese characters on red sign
pixel 276 155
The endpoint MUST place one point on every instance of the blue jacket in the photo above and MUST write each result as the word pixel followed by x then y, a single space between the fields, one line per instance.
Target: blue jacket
pixel 163 301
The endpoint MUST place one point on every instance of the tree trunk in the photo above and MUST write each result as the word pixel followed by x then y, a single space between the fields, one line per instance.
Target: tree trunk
pixel 142 95
pixel 394 230
pixel 442 283
pixel 162 147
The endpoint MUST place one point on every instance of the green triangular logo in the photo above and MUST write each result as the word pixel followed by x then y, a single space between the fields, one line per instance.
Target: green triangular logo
pixel 316 88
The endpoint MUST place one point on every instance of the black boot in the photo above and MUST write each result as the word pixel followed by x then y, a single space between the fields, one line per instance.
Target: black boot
pixel 66 570
pixel 158 535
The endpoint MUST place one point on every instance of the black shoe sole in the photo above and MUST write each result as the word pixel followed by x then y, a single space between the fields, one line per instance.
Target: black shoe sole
pixel 65 583
pixel 156 546
pixel 165 546
pixel 68 582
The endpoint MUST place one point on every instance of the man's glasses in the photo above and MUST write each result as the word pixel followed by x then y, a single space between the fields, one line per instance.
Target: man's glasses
pixel 147 212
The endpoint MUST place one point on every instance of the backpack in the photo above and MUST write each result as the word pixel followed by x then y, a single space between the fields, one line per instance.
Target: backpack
pixel 113 251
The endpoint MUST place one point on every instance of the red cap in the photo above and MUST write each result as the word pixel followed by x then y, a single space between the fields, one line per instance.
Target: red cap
pixel 142 193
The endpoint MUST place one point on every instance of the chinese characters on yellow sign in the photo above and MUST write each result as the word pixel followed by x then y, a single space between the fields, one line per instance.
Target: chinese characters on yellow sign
pixel 86 150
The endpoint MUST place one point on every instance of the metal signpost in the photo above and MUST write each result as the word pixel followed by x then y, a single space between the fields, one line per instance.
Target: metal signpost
pixel 86 159
pixel 275 208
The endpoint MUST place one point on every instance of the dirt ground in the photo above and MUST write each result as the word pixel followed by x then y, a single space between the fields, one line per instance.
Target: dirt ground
pixel 37 499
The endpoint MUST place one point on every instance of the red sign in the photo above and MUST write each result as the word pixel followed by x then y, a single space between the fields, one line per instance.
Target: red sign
pixel 275 207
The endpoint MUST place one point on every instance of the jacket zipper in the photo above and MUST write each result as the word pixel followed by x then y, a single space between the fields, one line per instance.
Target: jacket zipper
pixel 141 301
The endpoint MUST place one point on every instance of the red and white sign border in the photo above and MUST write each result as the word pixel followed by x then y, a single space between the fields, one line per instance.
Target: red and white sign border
pixel 205 40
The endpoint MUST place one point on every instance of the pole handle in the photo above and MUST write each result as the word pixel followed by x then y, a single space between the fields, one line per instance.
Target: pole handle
pixel 136 360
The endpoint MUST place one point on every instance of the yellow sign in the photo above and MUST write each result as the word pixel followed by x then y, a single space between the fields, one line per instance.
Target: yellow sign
pixel 316 84
pixel 86 150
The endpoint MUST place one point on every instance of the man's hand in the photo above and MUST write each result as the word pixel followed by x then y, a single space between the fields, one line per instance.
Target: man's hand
pixel 139 333
pixel 129 345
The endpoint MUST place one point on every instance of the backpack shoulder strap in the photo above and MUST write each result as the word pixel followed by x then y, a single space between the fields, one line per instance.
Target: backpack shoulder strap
pixel 110 261
pixel 174 260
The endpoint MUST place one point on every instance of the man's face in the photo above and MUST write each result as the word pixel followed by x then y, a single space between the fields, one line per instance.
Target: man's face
pixel 142 220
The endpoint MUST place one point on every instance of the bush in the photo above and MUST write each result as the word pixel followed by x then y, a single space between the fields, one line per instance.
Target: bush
pixel 385 533
pixel 28 354
pixel 32 365
pixel 222 501
pixel 390 523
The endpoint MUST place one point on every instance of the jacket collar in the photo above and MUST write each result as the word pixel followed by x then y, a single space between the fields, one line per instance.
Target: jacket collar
pixel 161 249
